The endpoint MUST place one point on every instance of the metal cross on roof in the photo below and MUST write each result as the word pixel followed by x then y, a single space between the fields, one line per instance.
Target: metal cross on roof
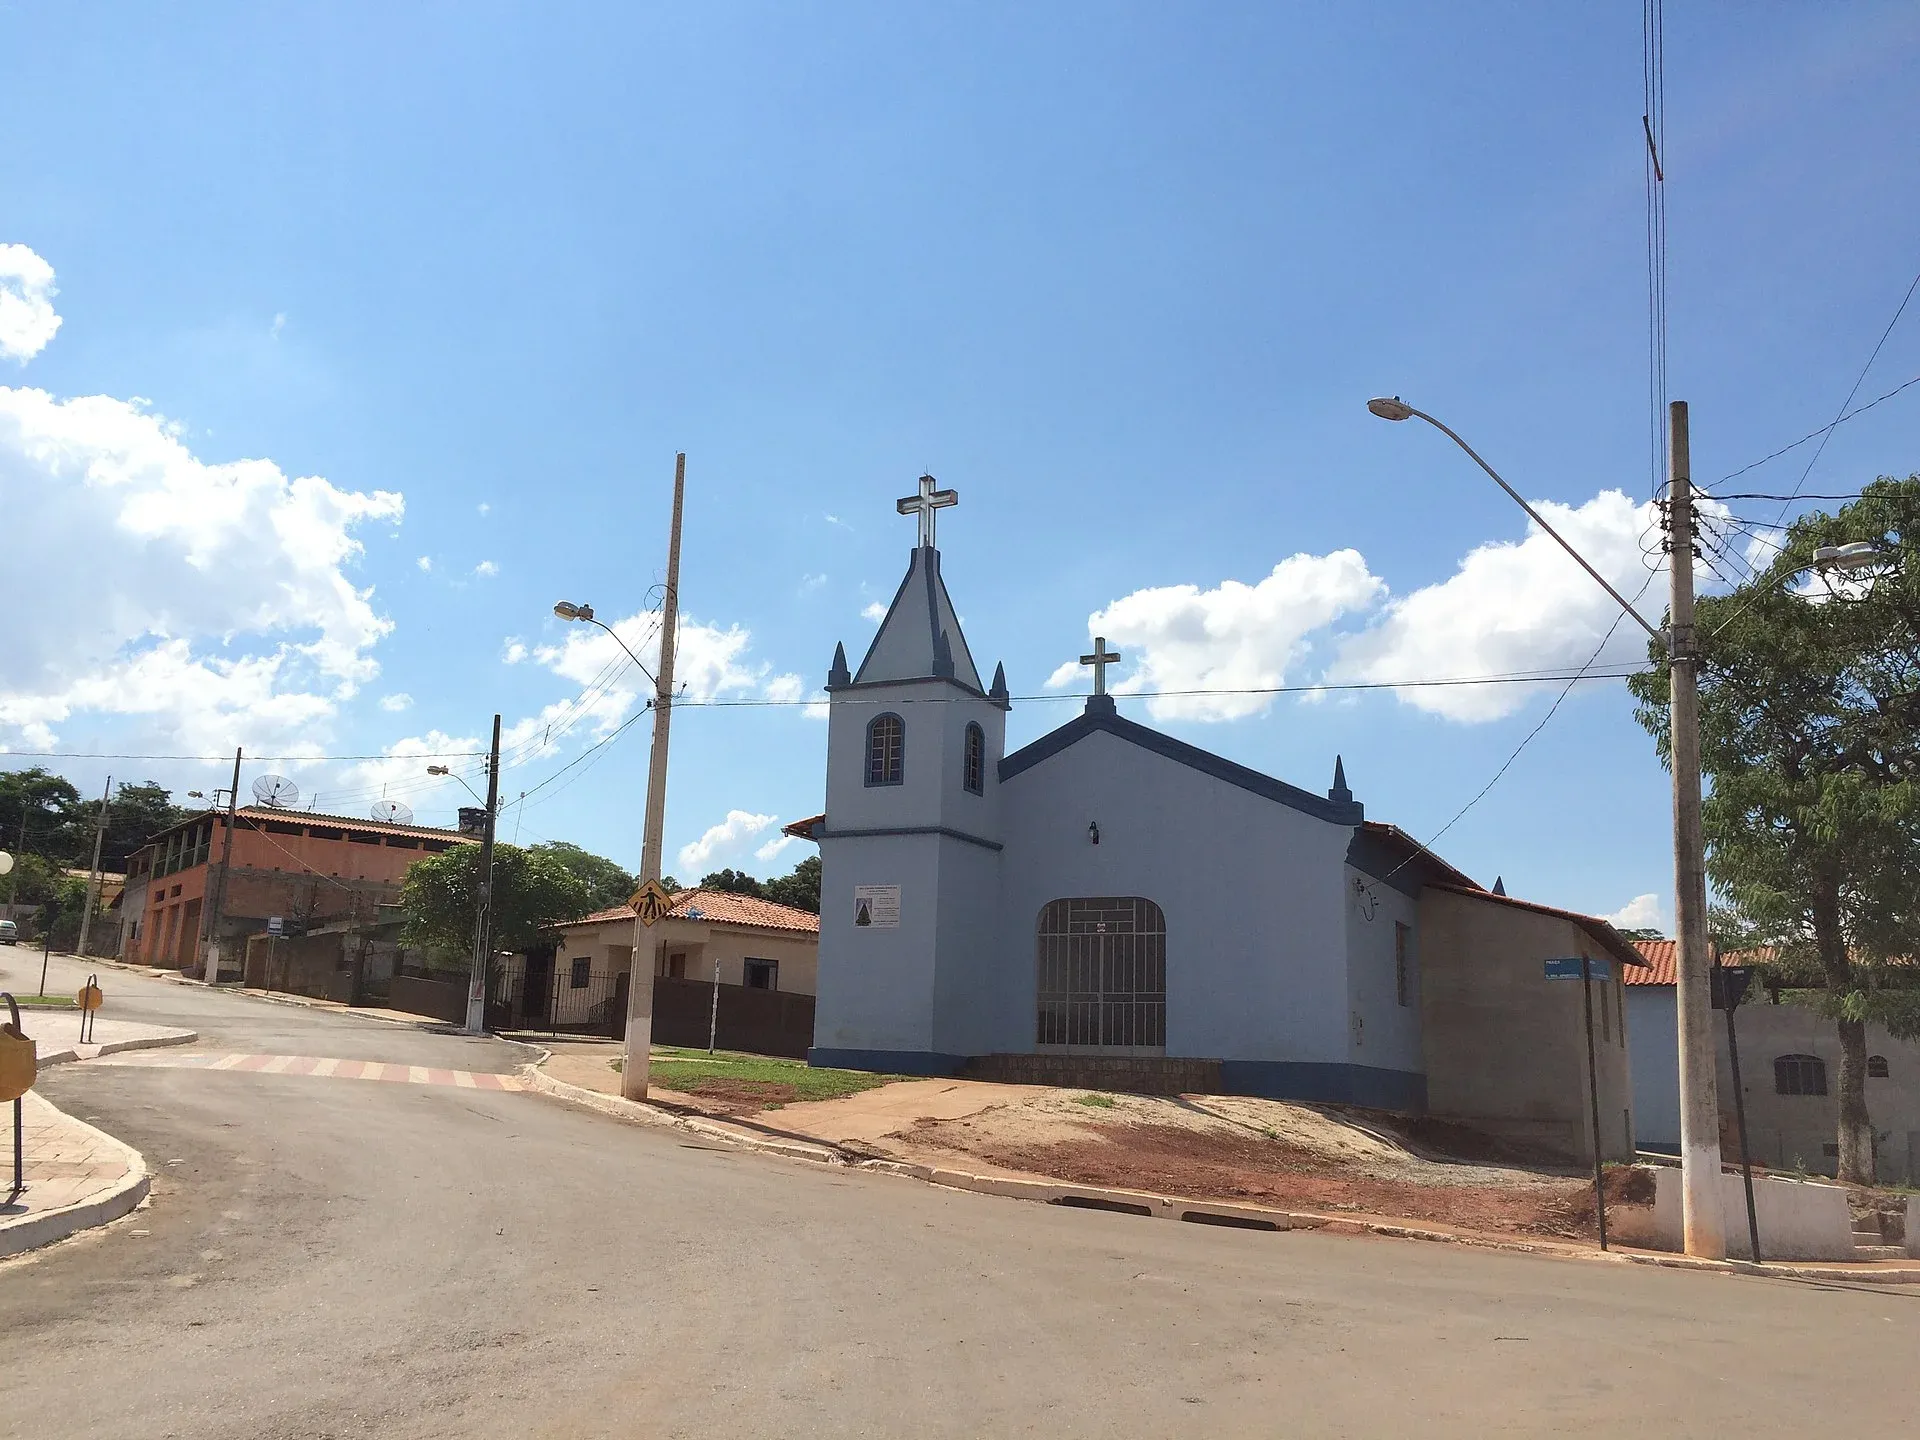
pixel 1100 659
pixel 924 504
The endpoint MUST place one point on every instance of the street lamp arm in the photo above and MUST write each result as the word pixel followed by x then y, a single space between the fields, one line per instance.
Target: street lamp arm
pixel 624 646
pixel 1535 516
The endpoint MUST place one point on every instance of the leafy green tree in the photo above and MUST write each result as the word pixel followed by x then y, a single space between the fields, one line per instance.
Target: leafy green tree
pixel 138 813
pixel 606 882
pixel 52 809
pixel 532 893
pixel 732 882
pixel 1810 736
pixel 800 889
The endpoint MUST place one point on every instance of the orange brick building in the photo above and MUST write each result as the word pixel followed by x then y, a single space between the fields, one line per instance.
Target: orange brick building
pixel 308 869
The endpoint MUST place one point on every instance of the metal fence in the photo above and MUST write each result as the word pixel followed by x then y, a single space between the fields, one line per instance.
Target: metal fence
pixel 535 993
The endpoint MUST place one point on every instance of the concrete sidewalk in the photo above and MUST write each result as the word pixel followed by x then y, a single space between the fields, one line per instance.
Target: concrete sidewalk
pixel 77 1177
pixel 56 1035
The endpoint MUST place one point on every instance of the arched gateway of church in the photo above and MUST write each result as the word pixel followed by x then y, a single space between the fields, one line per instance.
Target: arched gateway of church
pixel 1102 977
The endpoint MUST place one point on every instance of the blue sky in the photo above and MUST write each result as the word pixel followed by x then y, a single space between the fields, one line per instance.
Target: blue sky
pixel 1122 275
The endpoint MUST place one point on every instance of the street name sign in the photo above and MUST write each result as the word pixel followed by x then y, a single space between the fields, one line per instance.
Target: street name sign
pixel 1569 969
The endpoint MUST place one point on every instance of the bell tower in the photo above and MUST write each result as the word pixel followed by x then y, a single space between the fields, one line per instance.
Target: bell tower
pixel 910 845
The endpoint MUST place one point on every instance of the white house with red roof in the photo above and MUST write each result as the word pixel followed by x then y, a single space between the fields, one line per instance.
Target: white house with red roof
pixel 1112 901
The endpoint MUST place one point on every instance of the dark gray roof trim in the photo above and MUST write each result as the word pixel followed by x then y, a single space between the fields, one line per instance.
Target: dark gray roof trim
pixel 1105 717
pixel 952 680
pixel 945 830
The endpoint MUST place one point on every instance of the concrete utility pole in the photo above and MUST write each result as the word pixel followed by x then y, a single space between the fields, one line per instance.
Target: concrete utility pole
pixel 483 920
pixel 1702 1216
pixel 211 938
pixel 639 1036
pixel 93 874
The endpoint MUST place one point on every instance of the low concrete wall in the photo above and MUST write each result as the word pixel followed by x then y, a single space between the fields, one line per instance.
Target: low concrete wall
pixel 1913 1226
pixel 1798 1219
pixel 436 999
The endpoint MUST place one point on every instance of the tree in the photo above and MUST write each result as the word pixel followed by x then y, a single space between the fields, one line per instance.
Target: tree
pixel 56 826
pixel 137 814
pixel 606 882
pixel 532 893
pixel 732 882
pixel 801 889
pixel 1810 736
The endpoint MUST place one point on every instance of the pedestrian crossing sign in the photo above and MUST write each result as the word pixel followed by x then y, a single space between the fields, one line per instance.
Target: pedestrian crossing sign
pixel 651 902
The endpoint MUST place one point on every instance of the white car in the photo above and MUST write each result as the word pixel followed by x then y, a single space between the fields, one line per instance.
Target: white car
pixel 9 932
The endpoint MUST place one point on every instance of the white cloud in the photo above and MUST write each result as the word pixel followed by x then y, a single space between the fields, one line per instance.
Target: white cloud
pixel 514 653
pixel 27 317
pixel 810 583
pixel 836 520
pixel 483 508
pixel 876 612
pixel 279 324
pixel 1512 606
pixel 486 569
pixel 708 662
pixel 773 847
pixel 1643 912
pixel 218 594
pixel 396 702
pixel 785 689
pixel 403 769
pixel 1233 637
pixel 738 826
pixel 425 562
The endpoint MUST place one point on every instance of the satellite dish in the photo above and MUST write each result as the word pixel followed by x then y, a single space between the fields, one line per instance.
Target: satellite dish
pixel 275 790
pixel 392 812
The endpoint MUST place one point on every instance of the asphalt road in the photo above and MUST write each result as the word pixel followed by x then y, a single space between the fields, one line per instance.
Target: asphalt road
pixel 346 1258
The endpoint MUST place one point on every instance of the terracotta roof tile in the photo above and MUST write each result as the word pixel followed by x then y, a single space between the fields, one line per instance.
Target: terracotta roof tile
pixel 726 909
pixel 1662 957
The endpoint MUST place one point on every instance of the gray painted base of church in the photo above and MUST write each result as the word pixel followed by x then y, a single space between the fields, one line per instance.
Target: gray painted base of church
pixel 1316 1083
pixel 888 1062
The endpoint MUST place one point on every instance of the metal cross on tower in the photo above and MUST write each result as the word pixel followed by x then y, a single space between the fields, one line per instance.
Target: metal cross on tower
pixel 1100 659
pixel 924 504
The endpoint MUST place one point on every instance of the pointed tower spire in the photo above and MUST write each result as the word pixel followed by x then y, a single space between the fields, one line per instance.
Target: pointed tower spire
pixel 998 691
pixel 1339 791
pixel 1499 886
pixel 838 675
pixel 943 655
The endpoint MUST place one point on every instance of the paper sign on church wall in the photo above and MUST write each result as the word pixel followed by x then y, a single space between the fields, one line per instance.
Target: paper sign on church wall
pixel 876 907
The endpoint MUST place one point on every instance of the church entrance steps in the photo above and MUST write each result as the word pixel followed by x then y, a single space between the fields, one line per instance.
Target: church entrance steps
pixel 1129 1074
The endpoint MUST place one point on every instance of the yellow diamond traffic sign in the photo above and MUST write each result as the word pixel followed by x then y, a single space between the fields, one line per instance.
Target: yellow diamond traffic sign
pixel 651 902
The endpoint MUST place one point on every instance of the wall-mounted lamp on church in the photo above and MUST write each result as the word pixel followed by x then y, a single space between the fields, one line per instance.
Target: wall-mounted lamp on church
pixel 1093 831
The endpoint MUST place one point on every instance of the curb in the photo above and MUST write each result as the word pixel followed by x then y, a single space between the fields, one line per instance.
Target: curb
pixel 33 1231
pixel 72 1054
pixel 1165 1207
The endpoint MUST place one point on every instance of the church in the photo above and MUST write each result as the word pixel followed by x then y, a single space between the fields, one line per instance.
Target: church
pixel 1110 906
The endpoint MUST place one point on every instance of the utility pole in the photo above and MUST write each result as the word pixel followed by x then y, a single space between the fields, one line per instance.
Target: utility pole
pixel 639 1036
pixel 483 919
pixel 93 874
pixel 1703 1217
pixel 214 912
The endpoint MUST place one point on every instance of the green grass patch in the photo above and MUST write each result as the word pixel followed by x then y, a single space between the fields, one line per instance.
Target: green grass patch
pixel 46 1002
pixel 1099 1102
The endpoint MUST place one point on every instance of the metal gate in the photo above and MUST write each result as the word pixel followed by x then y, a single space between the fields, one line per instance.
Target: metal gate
pixel 1103 976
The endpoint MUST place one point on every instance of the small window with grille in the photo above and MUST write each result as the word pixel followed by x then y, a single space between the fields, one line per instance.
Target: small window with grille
pixel 886 749
pixel 582 972
pixel 1799 1075
pixel 1877 1067
pixel 974 769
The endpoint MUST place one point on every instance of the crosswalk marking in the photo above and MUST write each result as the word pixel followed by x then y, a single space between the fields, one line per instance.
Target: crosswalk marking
pixel 318 1067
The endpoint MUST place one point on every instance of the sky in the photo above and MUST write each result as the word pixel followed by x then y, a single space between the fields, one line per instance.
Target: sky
pixel 337 343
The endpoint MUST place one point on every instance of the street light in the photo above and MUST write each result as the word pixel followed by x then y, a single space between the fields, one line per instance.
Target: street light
pixel 1704 1224
pixel 1856 555
pixel 567 610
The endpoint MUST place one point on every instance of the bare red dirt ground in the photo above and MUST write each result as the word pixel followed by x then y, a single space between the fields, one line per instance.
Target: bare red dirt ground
pixel 1218 1164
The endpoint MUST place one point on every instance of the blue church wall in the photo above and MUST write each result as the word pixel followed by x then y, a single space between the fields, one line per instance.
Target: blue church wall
pixel 876 986
pixel 1381 1031
pixel 1252 892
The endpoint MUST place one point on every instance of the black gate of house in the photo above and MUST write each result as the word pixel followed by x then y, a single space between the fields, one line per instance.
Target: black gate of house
pixel 537 992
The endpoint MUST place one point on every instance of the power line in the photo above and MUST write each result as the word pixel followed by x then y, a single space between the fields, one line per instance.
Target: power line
pixel 1859 380
pixel 1810 435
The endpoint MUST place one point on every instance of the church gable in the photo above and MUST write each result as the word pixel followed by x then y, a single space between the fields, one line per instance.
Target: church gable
pixel 1101 716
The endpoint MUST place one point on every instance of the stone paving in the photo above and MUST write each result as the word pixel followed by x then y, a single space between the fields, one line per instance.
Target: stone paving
pixel 68 1163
